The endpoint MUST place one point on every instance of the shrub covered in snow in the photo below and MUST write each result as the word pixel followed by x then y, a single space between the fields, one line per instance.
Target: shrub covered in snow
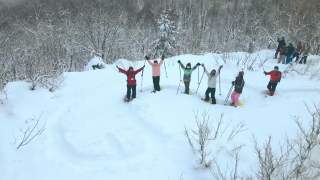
pixel 95 63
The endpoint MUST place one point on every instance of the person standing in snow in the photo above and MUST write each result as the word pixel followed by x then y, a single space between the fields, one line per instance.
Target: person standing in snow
pixel 290 53
pixel 131 81
pixel 281 43
pixel 297 52
pixel 155 73
pixel 238 87
pixel 283 54
pixel 187 75
pixel 305 54
pixel 275 77
pixel 212 76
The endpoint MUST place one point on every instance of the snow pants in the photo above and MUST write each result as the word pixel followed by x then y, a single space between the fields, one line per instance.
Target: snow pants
pixel 133 87
pixel 235 98
pixel 295 55
pixel 156 83
pixel 288 59
pixel 212 91
pixel 282 59
pixel 278 49
pixel 272 87
pixel 304 59
pixel 186 84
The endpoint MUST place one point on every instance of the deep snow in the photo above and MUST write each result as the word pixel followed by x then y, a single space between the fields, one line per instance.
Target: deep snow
pixel 92 134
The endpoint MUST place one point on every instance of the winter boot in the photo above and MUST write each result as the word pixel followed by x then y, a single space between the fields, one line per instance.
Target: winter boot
pixel 232 104
pixel 271 93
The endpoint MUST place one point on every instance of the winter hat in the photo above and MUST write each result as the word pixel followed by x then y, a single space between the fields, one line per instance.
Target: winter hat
pixel 131 67
pixel 276 67
pixel 241 72
pixel 155 61
pixel 189 64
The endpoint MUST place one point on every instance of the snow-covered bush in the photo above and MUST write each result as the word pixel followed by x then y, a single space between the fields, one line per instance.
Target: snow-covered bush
pixel 95 63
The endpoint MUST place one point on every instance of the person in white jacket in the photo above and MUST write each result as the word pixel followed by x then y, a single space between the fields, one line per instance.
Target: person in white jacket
pixel 212 81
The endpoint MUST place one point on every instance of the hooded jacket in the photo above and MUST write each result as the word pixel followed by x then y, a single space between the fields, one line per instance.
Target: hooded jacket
pixel 131 76
pixel 187 72
pixel 239 83
pixel 155 68
pixel 212 80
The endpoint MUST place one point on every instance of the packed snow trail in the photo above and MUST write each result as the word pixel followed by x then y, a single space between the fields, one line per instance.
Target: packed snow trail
pixel 91 133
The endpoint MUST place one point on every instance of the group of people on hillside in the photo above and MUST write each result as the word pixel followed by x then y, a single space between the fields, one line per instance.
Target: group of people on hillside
pixel 289 53
pixel 238 83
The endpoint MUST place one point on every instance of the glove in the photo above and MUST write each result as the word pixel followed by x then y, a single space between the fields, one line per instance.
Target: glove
pixel 233 83
pixel 147 58
pixel 202 65
pixel 179 61
pixel 162 57
pixel 143 66
pixel 198 64
pixel 117 66
pixel 264 72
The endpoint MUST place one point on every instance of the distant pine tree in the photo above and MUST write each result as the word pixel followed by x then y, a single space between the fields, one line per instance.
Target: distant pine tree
pixel 166 30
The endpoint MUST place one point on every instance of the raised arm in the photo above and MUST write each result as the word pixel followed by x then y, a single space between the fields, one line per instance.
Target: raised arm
pixel 137 71
pixel 161 62
pixel 151 64
pixel 123 71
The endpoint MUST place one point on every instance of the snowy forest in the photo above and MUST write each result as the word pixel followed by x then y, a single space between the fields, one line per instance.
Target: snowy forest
pixel 42 38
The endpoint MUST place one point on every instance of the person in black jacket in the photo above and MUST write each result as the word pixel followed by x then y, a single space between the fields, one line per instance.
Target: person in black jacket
pixel 289 53
pixel 281 43
pixel 238 86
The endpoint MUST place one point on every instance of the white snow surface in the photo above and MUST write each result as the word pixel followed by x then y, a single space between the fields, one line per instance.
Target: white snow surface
pixel 91 133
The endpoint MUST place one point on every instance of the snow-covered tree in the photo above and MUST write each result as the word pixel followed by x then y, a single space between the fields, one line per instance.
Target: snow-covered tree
pixel 167 31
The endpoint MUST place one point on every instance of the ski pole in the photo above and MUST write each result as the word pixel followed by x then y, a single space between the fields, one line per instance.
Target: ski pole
pixel 261 63
pixel 165 68
pixel 200 82
pixel 198 75
pixel 219 84
pixel 142 74
pixel 225 102
pixel 180 79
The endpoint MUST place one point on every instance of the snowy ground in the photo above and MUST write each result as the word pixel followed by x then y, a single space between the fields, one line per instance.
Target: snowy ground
pixel 92 134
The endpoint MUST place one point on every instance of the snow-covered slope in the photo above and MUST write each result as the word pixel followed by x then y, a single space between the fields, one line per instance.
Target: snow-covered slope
pixel 91 133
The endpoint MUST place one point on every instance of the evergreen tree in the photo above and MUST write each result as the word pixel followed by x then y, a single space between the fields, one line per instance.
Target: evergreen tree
pixel 166 30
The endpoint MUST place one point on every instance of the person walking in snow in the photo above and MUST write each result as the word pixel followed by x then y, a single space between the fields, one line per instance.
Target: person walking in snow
pixel 131 81
pixel 305 54
pixel 155 73
pixel 187 74
pixel 212 76
pixel 275 77
pixel 238 87
pixel 289 53
pixel 283 54
pixel 281 43
pixel 297 52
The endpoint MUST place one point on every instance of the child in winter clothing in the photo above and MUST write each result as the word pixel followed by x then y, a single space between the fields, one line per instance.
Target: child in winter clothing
pixel 283 54
pixel 211 83
pixel 131 80
pixel 290 52
pixel 187 74
pixel 274 79
pixel 305 54
pixel 155 73
pixel 280 45
pixel 238 83
pixel 297 52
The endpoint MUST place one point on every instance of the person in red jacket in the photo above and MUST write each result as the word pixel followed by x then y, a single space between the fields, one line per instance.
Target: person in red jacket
pixel 131 81
pixel 274 79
